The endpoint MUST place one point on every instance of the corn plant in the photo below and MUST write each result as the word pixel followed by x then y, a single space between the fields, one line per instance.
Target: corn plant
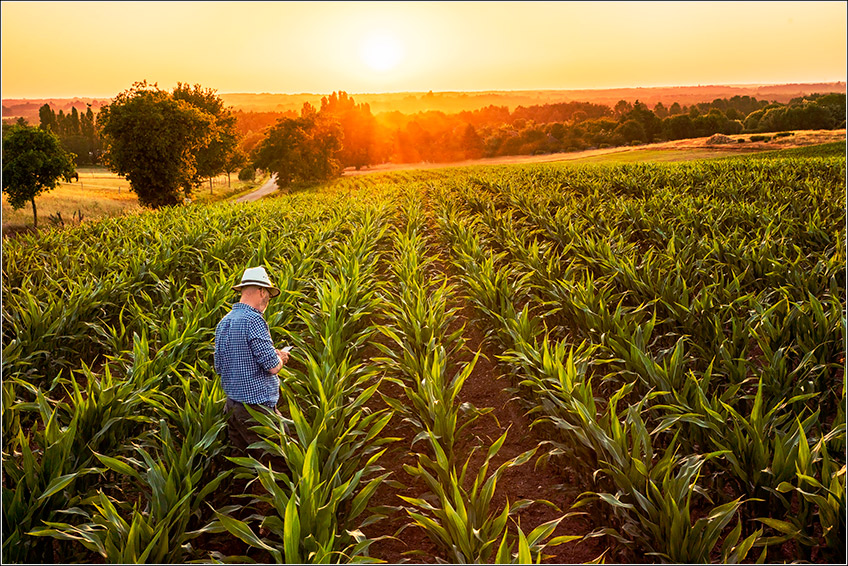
pixel 819 485
pixel 652 500
pixel 157 532
pixel 422 345
pixel 39 480
pixel 463 521
pixel 316 515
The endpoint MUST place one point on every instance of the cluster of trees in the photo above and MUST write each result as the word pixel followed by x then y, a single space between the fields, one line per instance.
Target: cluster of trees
pixel 77 132
pixel 319 143
pixel 549 128
pixel 816 112
pixel 166 143
pixel 301 149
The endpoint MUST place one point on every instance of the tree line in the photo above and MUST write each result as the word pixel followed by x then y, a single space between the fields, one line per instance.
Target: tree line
pixel 551 128
pixel 167 142
pixel 77 132
pixel 495 131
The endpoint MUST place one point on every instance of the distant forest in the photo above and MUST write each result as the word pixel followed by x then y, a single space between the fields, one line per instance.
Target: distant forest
pixel 437 136
pixel 493 131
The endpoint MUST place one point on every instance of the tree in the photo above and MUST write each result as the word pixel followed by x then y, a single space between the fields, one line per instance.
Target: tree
pixel 235 161
pixel 752 121
pixel 47 118
pixel 678 126
pixel 87 123
pixel 472 144
pixel 153 139
pixel 631 131
pixel 248 173
pixel 358 128
pixel 74 126
pixel 33 162
pixel 651 125
pixel 301 149
pixel 622 107
pixel 213 157
pixel 76 132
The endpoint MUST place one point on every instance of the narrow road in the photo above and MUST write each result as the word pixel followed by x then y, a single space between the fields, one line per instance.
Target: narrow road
pixel 269 187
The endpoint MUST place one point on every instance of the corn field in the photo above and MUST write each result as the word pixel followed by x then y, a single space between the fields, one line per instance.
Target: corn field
pixel 675 333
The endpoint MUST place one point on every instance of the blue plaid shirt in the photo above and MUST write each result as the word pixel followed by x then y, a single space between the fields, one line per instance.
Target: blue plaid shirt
pixel 244 353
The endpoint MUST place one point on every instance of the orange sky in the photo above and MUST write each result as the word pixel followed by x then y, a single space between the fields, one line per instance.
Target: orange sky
pixel 97 49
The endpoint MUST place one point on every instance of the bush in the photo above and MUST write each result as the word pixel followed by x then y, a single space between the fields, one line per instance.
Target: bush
pixel 760 138
pixel 783 134
pixel 247 174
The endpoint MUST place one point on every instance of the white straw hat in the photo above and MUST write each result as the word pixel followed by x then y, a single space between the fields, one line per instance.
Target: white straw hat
pixel 258 277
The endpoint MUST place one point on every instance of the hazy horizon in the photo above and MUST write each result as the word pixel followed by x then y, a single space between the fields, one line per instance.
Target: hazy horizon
pixel 98 49
pixel 439 92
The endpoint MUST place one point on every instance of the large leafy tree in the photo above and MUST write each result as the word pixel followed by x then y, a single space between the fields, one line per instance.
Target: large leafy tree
pixel 154 139
pixel 33 162
pixel 217 155
pixel 301 149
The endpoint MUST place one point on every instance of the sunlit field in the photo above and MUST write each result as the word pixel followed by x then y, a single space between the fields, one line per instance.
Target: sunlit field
pixel 658 346
pixel 99 193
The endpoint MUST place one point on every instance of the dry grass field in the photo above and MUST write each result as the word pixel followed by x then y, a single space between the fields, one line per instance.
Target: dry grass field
pixel 99 193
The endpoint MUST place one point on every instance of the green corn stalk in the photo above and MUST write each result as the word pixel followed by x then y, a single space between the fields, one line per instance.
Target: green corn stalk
pixel 653 505
pixel 320 498
pixel 463 522
pixel 819 483
pixel 172 488
pixel 39 480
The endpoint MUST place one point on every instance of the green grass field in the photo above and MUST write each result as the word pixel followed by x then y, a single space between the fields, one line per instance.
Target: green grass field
pixel 659 156
pixel 833 149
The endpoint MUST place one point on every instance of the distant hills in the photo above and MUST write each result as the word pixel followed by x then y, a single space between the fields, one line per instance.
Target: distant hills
pixel 452 102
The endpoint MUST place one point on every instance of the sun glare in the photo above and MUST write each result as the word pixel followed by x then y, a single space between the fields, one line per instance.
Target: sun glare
pixel 381 52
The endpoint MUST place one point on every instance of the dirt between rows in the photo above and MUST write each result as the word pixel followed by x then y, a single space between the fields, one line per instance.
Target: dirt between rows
pixel 485 387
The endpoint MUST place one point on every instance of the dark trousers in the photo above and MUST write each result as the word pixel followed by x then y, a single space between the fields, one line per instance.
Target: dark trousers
pixel 239 422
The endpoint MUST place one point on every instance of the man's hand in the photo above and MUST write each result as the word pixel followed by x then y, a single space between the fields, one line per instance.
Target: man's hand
pixel 284 356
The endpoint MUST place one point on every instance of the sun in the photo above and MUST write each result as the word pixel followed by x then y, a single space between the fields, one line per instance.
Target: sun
pixel 382 52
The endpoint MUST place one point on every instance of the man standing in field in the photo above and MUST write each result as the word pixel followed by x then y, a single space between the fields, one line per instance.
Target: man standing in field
pixel 246 359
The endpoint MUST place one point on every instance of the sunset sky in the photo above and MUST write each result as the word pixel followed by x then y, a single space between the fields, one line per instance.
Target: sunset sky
pixel 97 49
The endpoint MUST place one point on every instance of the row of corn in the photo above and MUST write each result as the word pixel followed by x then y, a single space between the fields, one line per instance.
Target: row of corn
pixel 457 512
pixel 677 382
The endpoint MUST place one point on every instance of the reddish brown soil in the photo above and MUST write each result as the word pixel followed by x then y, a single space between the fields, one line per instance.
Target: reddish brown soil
pixel 389 547
pixel 484 388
